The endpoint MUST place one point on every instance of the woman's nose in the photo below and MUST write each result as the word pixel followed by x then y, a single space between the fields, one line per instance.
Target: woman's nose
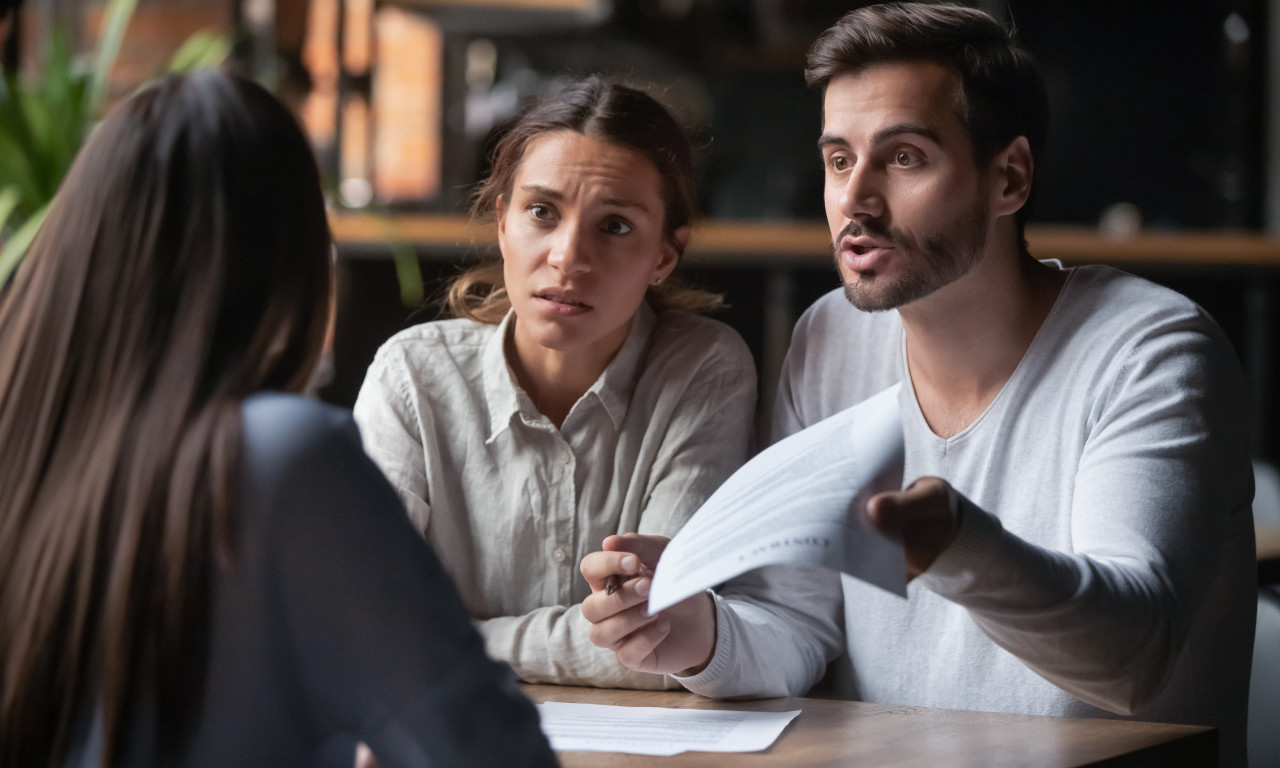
pixel 568 252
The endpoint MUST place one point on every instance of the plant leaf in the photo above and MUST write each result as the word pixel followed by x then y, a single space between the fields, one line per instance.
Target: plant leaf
pixel 16 247
pixel 9 199
pixel 202 49
pixel 114 23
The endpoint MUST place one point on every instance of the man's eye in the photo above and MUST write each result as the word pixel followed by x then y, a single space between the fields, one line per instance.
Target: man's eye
pixel 838 163
pixel 616 227
pixel 905 157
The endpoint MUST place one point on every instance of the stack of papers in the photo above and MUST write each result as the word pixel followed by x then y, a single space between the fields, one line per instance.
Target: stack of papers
pixel 801 501
pixel 658 730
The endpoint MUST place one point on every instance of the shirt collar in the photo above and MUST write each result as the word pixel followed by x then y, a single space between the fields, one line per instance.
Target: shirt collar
pixel 615 385
pixel 500 389
pixel 506 400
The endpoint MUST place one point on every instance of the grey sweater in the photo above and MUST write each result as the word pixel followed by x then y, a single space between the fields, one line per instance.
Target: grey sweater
pixel 1104 564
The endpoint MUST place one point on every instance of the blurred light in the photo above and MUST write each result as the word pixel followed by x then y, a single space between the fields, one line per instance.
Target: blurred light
pixel 1236 29
pixel 356 193
pixel 482 64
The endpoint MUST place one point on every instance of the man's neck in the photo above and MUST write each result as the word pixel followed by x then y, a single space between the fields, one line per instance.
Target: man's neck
pixel 965 340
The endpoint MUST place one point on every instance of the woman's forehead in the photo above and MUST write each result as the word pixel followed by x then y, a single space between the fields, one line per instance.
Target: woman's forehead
pixel 570 163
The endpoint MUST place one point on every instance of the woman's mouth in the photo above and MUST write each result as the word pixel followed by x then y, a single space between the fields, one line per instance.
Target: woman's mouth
pixel 562 302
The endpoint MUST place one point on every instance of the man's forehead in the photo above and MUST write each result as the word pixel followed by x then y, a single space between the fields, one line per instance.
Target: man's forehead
pixel 892 93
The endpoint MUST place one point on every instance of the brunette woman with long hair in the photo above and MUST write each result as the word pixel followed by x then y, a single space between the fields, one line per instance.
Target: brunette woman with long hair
pixel 577 393
pixel 195 567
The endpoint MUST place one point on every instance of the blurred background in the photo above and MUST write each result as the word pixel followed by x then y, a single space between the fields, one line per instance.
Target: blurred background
pixel 1161 156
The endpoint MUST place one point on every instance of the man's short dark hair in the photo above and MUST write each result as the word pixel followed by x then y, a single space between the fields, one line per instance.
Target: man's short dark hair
pixel 1003 93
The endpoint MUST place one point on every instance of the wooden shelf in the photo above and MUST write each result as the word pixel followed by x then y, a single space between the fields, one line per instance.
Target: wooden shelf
pixel 793 244
pixel 578 6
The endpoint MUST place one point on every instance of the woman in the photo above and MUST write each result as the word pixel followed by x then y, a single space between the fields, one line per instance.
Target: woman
pixel 572 397
pixel 183 577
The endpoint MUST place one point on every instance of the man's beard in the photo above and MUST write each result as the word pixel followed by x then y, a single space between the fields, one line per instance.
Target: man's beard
pixel 927 263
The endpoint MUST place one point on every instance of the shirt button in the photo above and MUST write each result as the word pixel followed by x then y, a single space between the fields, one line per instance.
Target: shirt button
pixel 560 555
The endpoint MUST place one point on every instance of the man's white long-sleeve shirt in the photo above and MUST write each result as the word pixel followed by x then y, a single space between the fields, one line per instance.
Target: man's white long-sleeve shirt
pixel 1104 564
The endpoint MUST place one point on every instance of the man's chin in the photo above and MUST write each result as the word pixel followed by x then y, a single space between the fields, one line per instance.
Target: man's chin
pixel 868 294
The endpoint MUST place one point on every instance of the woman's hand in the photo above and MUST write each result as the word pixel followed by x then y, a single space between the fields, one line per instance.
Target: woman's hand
pixel 680 639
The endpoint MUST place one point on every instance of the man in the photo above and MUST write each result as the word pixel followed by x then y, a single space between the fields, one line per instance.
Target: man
pixel 1079 537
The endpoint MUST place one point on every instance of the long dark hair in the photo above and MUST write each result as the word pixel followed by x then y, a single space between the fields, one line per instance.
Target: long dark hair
pixel 183 266
pixel 612 113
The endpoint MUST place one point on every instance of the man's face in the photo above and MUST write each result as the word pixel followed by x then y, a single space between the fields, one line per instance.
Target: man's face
pixel 907 207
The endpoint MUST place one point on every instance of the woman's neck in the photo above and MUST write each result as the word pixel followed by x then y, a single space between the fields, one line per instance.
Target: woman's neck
pixel 555 379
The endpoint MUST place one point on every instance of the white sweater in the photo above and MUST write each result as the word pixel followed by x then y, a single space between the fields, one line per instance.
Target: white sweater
pixel 1104 564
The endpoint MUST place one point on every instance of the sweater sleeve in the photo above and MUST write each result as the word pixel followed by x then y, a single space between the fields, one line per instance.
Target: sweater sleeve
pixel 776 630
pixel 1160 505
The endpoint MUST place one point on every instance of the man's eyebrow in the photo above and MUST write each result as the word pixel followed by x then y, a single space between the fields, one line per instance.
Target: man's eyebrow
pixel 901 129
pixel 827 140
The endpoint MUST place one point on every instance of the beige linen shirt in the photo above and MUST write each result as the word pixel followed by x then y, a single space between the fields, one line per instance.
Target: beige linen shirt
pixel 512 504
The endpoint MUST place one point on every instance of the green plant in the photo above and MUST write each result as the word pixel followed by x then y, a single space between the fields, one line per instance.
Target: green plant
pixel 44 122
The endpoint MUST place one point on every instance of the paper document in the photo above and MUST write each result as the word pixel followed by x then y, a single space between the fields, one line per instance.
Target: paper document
pixel 803 501
pixel 658 730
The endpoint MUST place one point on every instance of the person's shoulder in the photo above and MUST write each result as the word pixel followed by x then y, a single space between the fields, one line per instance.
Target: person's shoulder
pixel 1101 288
pixel 697 337
pixel 833 309
pixel 1122 319
pixel 282 429
pixel 440 350
pixel 303 455
pixel 833 318
pixel 449 336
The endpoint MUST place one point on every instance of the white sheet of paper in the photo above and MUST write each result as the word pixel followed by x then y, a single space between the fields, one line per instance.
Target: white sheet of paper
pixel 658 730
pixel 802 501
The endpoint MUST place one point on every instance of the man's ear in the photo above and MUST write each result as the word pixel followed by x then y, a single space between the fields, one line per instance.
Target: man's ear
pixel 1011 181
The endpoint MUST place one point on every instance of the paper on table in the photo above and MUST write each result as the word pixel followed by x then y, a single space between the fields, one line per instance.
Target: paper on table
pixel 802 500
pixel 658 730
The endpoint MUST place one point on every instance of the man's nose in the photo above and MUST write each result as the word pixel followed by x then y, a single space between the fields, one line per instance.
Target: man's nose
pixel 863 192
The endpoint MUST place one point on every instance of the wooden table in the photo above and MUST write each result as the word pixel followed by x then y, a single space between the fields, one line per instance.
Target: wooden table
pixel 1268 554
pixel 849 733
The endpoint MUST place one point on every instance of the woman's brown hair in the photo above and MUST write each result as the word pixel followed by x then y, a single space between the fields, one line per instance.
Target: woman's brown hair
pixel 183 266
pixel 608 112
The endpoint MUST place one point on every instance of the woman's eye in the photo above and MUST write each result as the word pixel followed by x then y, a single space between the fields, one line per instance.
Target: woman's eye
pixel 616 227
pixel 539 211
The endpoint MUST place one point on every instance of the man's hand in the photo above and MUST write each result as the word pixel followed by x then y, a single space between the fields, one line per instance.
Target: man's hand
pixel 680 639
pixel 924 516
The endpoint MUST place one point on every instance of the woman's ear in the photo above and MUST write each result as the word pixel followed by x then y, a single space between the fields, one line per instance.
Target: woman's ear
pixel 1014 170
pixel 672 249
pixel 500 211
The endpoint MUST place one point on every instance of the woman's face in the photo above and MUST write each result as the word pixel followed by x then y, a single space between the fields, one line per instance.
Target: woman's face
pixel 582 240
